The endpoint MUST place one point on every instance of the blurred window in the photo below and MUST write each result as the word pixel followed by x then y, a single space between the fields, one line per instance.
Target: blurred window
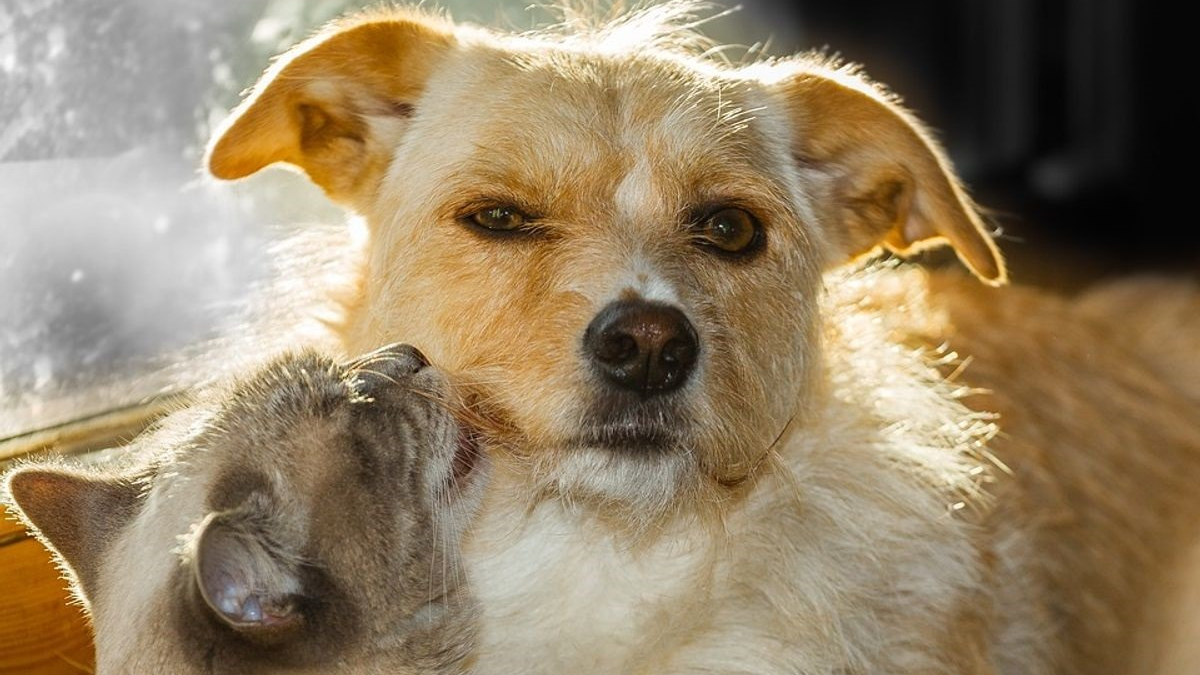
pixel 114 250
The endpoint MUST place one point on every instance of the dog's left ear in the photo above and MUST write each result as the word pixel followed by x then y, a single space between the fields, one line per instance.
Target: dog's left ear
pixel 893 184
pixel 335 105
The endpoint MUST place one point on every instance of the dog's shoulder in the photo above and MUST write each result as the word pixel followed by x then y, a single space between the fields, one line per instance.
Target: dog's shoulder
pixel 1091 400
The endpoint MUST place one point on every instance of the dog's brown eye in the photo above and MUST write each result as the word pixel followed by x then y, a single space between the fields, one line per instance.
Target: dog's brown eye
pixel 499 218
pixel 730 230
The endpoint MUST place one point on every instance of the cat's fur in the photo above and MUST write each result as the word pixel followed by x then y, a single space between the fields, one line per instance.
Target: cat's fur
pixel 304 519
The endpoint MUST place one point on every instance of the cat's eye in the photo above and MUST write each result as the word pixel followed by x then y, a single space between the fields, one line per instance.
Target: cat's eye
pixel 499 218
pixel 730 230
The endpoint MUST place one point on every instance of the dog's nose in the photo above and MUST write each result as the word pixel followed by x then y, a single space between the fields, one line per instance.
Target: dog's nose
pixel 642 346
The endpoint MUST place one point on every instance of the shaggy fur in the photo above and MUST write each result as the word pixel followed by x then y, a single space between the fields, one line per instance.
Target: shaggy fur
pixel 822 506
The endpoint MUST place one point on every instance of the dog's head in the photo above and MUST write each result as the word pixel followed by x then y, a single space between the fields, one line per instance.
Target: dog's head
pixel 307 521
pixel 622 240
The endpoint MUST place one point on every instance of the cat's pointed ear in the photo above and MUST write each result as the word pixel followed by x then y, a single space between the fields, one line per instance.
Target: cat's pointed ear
pixel 248 577
pixel 75 514
pixel 893 185
pixel 336 105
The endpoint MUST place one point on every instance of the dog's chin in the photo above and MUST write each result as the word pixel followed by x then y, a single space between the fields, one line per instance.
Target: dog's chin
pixel 635 455
pixel 629 438
pixel 610 476
pixel 642 468
pixel 627 425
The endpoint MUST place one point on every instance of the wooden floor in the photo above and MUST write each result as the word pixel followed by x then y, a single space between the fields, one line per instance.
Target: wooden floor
pixel 40 634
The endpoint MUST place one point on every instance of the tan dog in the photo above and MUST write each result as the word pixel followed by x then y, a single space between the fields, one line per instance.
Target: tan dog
pixel 303 520
pixel 726 455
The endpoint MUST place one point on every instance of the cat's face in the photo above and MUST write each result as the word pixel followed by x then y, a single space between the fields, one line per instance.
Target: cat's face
pixel 307 523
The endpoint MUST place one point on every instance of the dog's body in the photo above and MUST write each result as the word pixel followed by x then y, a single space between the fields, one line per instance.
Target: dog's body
pixel 716 449
pixel 842 557
pixel 1099 456
pixel 726 455
pixel 303 519
pixel 867 549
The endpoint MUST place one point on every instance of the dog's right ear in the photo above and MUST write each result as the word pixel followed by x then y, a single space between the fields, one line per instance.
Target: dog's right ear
pixel 334 105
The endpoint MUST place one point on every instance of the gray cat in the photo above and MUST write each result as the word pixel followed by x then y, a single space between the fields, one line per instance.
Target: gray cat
pixel 303 520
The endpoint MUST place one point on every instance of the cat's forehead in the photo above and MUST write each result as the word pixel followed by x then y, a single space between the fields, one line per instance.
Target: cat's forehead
pixel 292 387
pixel 307 400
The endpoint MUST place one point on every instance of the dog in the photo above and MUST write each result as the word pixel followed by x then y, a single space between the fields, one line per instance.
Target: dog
pixel 721 444
pixel 302 519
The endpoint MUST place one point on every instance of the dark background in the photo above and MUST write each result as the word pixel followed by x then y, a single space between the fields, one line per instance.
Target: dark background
pixel 1071 119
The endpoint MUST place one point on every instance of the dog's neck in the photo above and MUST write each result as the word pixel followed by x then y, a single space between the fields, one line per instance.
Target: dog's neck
pixel 580 582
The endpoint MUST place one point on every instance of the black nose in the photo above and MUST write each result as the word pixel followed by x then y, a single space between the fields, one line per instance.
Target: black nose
pixel 642 346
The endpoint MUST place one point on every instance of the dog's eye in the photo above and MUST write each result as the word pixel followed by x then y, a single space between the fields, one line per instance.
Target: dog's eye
pixel 499 219
pixel 730 231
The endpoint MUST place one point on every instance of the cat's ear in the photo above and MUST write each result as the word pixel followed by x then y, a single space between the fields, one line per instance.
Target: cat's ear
pixel 75 514
pixel 248 575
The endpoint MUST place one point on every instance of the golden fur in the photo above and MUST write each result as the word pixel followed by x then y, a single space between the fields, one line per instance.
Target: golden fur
pixel 874 471
pixel 823 512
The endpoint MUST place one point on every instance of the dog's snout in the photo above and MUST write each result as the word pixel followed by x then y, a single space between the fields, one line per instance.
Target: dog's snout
pixel 642 346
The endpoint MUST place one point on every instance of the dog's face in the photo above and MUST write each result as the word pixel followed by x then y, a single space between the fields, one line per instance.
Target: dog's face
pixel 308 523
pixel 608 283
pixel 621 242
